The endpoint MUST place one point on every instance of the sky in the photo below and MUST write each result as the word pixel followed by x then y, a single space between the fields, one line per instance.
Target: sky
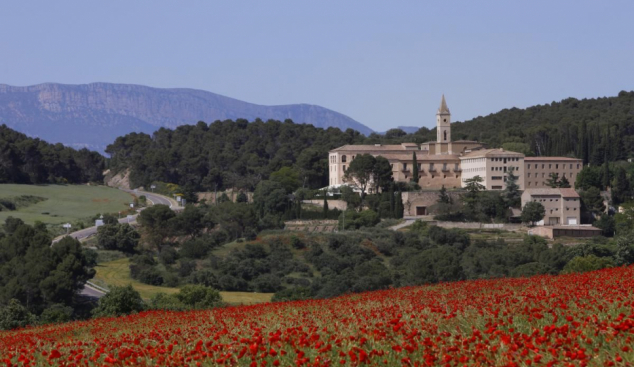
pixel 383 63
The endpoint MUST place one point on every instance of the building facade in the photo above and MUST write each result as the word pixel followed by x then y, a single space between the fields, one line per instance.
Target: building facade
pixel 561 206
pixel 450 163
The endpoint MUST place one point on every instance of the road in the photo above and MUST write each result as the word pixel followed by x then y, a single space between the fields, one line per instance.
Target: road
pixel 155 199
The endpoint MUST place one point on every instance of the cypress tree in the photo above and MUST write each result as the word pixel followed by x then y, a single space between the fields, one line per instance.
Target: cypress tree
pixel 606 174
pixel 414 168
pixel 585 154
pixel 392 198
pixel 398 206
pixel 325 204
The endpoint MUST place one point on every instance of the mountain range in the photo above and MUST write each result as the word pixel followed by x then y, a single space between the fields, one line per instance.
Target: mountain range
pixel 94 115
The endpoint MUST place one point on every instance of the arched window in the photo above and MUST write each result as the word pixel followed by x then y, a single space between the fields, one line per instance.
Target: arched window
pixel 343 159
pixel 445 135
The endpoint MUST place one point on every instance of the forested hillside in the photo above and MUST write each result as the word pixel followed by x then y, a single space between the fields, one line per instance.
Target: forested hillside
pixel 572 127
pixel 228 153
pixel 34 161
pixel 240 154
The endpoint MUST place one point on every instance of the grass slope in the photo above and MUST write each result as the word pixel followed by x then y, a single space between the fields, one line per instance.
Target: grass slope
pixel 117 273
pixel 65 203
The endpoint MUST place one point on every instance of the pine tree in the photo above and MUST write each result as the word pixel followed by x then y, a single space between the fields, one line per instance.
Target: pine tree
pixel 415 176
pixel 553 180
pixel 398 206
pixel 512 191
pixel 443 197
pixel 564 183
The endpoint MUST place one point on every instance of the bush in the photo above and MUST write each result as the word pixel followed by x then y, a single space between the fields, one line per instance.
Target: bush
pixel 56 313
pixel 199 297
pixel 582 264
pixel 118 302
pixel 291 294
pixel 14 315
pixel 168 255
pixel 163 301
pixel 267 283
pixel 151 276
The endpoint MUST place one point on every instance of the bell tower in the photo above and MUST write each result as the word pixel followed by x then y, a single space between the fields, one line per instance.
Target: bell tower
pixel 443 122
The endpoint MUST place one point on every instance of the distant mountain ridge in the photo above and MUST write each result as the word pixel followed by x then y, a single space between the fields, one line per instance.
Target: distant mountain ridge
pixel 94 115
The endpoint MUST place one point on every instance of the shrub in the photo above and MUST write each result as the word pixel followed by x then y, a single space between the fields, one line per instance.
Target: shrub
pixel 582 264
pixel 56 313
pixel 14 315
pixel 199 297
pixel 119 301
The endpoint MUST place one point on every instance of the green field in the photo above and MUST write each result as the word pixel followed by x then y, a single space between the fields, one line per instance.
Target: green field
pixel 65 203
pixel 117 273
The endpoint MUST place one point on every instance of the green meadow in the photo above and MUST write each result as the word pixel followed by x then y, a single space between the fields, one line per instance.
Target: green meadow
pixel 64 203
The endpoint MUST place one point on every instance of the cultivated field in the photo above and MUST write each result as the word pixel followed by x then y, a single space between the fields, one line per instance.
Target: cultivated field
pixel 567 320
pixel 65 203
pixel 117 273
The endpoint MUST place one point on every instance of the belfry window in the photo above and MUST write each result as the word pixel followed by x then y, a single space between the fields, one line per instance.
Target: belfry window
pixel 445 135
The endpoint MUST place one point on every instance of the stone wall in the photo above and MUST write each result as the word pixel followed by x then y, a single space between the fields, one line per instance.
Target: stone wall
pixel 231 194
pixel 424 199
pixel 332 204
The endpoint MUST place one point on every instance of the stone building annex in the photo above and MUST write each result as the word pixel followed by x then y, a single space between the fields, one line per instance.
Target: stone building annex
pixel 450 163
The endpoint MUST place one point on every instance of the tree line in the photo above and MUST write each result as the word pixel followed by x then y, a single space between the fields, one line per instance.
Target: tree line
pixel 28 160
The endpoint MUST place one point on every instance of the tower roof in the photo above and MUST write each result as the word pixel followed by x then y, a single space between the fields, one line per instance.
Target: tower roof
pixel 443 109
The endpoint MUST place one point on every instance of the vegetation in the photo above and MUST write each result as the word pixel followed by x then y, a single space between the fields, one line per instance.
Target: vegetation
pixel 36 275
pixel 33 161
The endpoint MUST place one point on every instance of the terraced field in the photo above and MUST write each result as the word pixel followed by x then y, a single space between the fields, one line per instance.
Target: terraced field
pixel 117 273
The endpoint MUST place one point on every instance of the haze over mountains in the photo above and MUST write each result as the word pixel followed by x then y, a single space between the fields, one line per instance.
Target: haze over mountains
pixel 94 115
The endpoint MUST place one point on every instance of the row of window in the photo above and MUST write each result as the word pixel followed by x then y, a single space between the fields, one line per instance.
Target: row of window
pixel 511 159
pixel 503 169
pixel 344 159
pixel 550 166
pixel 571 175
pixel 473 160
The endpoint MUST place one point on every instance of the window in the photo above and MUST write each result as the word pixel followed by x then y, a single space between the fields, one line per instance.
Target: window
pixel 570 165
pixel 343 159
pixel 529 166
pixel 344 168
pixel 550 166
pixel 542 166
pixel 577 165
pixel 492 168
pixel 529 183
pixel 419 164
pixel 404 166
pixel 557 166
pixel 445 134
pixel 529 175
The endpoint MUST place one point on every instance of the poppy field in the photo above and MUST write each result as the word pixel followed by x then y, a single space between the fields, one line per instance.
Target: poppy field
pixel 567 320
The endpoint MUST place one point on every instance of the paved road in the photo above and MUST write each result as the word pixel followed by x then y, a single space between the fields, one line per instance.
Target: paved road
pixel 87 232
pixel 153 198
pixel 406 223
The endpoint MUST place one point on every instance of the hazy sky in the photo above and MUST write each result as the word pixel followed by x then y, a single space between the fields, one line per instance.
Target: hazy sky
pixel 383 63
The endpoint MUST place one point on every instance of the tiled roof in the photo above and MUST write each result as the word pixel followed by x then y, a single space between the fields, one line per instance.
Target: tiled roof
pixel 528 159
pixel 490 152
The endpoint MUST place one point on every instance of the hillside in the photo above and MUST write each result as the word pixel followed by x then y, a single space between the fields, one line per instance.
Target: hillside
pixel 580 128
pixel 94 115
pixel 572 320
